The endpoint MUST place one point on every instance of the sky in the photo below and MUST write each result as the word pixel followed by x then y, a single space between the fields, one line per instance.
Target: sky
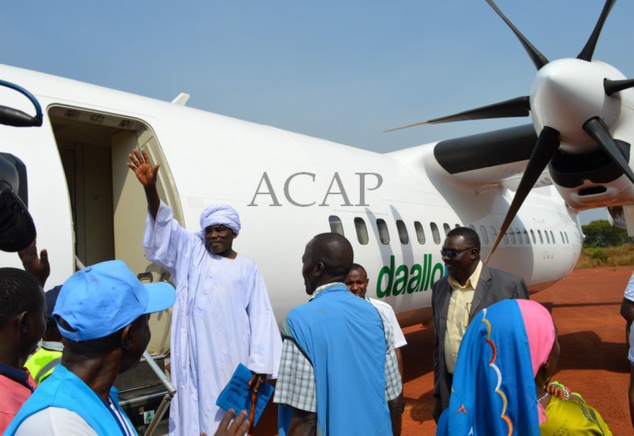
pixel 340 70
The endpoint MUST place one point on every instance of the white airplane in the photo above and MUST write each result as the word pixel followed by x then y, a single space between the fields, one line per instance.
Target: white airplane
pixel 520 188
pixel 395 208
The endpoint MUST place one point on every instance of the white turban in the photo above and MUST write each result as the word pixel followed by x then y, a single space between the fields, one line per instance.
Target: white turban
pixel 219 214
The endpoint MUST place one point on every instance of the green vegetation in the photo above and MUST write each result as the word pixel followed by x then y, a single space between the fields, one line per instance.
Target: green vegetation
pixel 610 256
pixel 601 234
pixel 605 246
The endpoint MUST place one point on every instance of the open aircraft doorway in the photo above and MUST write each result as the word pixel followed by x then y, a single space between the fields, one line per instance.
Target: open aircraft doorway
pixel 108 206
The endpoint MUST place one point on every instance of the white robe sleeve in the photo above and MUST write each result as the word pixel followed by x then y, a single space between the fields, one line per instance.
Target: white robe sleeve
pixel 265 341
pixel 165 240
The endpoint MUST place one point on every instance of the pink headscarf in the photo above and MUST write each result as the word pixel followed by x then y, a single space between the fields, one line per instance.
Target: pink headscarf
pixel 540 331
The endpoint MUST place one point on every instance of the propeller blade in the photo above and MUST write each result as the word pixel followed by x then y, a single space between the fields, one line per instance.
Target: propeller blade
pixel 516 107
pixel 588 50
pixel 538 59
pixel 601 135
pixel 612 86
pixel 545 148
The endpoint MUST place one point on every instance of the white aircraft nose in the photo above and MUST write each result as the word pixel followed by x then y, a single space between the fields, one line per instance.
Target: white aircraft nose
pixel 568 92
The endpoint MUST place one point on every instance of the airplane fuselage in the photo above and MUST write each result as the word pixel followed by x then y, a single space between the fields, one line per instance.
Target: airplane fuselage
pixel 394 208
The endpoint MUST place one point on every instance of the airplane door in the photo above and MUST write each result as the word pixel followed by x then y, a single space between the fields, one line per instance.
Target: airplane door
pixel 108 203
pixel 129 205
pixel 129 216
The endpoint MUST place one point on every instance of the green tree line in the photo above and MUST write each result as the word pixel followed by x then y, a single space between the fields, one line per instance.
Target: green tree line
pixel 601 234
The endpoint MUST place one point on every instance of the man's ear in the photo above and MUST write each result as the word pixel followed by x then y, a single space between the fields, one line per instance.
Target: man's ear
pixel 23 322
pixel 127 337
pixel 319 269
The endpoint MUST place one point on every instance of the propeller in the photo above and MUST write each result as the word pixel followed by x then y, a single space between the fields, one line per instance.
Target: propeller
pixel 566 108
pixel 601 135
pixel 612 86
pixel 588 50
pixel 516 107
pixel 545 148
pixel 538 59
pixel 548 141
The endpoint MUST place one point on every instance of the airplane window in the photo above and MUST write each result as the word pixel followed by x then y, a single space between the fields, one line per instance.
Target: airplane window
pixel 402 232
pixel 485 235
pixel 420 232
pixel 526 238
pixel 506 238
pixel 472 227
pixel 547 236
pixel 362 231
pixel 335 224
pixel 552 236
pixel 519 236
pixel 494 233
pixel 458 225
pixel 563 241
pixel 541 238
pixel 435 233
pixel 384 235
pixel 533 237
pixel 446 228
pixel 512 237
pixel 567 240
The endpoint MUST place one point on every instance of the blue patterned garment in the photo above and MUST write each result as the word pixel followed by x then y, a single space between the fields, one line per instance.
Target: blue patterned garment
pixel 493 390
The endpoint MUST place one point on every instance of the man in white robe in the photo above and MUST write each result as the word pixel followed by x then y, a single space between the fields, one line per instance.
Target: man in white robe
pixel 222 315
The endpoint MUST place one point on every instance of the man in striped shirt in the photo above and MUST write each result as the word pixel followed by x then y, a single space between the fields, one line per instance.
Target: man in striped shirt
pixel 338 373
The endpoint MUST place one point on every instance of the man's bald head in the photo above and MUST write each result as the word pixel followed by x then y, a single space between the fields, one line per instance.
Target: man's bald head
pixel 327 258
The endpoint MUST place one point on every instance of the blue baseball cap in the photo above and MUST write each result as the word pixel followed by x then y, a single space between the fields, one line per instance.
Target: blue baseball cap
pixel 103 298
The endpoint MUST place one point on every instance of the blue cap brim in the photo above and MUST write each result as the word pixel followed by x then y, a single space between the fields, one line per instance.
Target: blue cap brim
pixel 161 296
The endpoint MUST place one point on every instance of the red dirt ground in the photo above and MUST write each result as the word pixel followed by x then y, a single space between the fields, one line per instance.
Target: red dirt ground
pixel 593 362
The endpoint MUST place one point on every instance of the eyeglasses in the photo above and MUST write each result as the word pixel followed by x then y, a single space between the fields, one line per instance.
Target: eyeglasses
pixel 451 253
